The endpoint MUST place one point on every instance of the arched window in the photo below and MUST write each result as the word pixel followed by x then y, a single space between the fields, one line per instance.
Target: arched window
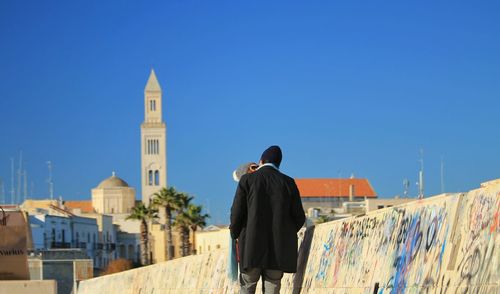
pixel 157 178
pixel 150 178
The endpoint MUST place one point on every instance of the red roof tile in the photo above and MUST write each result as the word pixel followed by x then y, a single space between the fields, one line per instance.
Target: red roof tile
pixel 84 205
pixel 334 188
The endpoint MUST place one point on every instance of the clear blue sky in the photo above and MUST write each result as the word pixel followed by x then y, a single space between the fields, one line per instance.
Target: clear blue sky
pixel 343 86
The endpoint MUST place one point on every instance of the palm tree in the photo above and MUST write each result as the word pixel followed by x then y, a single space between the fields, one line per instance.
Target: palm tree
pixel 168 198
pixel 196 219
pixel 182 221
pixel 143 214
pixel 322 219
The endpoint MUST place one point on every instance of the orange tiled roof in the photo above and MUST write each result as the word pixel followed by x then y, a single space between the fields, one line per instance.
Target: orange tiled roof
pixel 84 205
pixel 334 188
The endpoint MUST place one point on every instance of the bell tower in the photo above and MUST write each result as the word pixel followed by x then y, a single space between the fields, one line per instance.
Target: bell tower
pixel 153 141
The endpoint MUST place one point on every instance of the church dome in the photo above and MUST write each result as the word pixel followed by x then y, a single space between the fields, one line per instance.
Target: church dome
pixel 112 182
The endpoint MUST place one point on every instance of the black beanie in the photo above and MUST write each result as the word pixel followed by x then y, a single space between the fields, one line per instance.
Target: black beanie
pixel 272 155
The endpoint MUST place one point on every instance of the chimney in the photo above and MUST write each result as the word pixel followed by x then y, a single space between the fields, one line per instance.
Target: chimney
pixel 351 192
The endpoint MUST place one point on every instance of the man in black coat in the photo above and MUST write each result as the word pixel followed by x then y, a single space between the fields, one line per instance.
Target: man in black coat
pixel 266 215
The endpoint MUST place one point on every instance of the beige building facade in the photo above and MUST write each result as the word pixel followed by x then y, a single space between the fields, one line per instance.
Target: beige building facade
pixel 374 204
pixel 158 242
pixel 212 238
pixel 113 195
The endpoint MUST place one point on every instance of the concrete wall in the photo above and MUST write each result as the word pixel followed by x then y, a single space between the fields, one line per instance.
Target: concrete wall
pixel 374 204
pixel 443 244
pixel 28 287
pixel 66 272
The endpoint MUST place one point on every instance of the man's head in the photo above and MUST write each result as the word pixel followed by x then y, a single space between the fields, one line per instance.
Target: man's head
pixel 272 155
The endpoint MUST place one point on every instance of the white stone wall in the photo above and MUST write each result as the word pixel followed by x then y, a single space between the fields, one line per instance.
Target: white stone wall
pixel 444 244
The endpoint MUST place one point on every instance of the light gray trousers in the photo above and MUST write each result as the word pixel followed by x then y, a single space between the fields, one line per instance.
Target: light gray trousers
pixel 271 280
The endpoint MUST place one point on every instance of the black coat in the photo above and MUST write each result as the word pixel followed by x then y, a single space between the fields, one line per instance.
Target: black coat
pixel 266 215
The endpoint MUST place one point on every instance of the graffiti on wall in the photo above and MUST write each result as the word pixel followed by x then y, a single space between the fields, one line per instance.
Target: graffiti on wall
pixel 444 244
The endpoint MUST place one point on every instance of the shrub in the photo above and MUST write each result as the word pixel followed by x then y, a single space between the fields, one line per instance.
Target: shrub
pixel 117 265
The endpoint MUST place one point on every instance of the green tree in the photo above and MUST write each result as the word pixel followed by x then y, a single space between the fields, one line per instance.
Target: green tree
pixel 196 219
pixel 169 199
pixel 143 214
pixel 322 219
pixel 182 221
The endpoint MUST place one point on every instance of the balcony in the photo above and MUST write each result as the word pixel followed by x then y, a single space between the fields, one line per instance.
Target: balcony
pixel 110 246
pixel 60 245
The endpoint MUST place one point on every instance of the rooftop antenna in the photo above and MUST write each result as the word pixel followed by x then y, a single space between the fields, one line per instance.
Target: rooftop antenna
pixel 19 177
pixel 340 182
pixel 12 189
pixel 32 189
pixel 406 187
pixel 421 176
pixel 25 174
pixel 49 180
pixel 2 192
pixel 442 175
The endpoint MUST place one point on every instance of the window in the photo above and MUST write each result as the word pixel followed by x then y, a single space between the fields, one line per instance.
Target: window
pixel 152 146
pixel 150 178
pixel 155 147
pixel 88 237
pixel 157 178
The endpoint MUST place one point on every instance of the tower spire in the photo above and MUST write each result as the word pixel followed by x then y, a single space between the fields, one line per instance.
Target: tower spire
pixel 152 85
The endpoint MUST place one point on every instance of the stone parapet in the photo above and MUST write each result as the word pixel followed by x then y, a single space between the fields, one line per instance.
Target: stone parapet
pixel 28 287
pixel 442 244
